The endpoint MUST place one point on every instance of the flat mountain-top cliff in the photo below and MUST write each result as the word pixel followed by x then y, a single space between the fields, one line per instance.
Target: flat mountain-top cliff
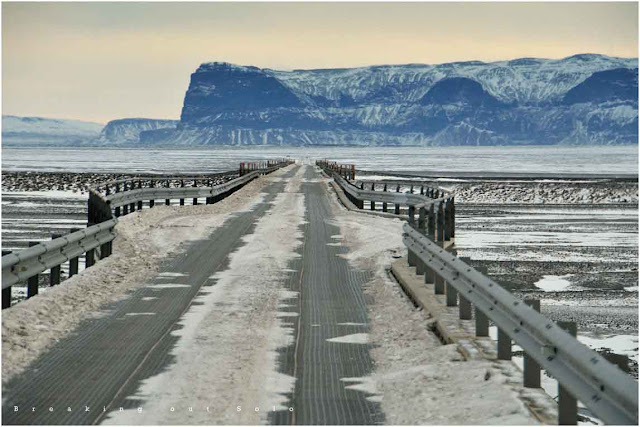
pixel 582 99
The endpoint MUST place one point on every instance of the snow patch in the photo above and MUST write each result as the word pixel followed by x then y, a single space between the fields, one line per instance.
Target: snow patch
pixel 351 339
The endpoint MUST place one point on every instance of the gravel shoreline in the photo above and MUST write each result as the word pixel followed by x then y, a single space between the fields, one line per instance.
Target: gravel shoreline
pixel 74 181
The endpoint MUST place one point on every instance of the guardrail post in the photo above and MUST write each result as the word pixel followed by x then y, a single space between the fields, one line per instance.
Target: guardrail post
pixel 397 207
pixel 422 217
pixel 384 204
pixel 353 172
pixel 90 255
pixel 531 372
pixel 452 295
pixel 105 250
pixel 195 185
pixel 152 184
pixel 54 277
pixel 452 219
pixel 182 185
pixel 32 282
pixel 412 216
pixel 6 292
pixel 139 201
pixel 73 262
pixel 167 202
pixel 567 404
pixel 466 311
pixel 438 284
pixel 117 211
pixel 447 220
pixel 440 222
pixel 482 321
pixel 504 345
pixel 209 199
pixel 373 204
pixel 125 209
pixel 431 223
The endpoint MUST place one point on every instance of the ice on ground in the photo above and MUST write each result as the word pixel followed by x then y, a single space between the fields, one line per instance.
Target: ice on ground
pixel 619 344
pixel 550 283
pixel 171 274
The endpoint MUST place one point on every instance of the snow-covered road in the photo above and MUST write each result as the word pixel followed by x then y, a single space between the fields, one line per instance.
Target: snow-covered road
pixel 271 306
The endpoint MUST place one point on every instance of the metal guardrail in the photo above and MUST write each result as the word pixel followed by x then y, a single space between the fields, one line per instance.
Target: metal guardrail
pixel 26 265
pixel 435 207
pixel 582 373
pixel 607 391
pixel 103 210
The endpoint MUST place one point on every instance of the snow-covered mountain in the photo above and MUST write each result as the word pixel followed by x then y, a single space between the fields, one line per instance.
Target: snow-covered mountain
pixel 30 131
pixel 128 131
pixel 582 99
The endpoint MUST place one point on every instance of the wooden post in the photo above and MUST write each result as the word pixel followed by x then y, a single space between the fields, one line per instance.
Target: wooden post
pixel 440 219
pixel 73 262
pixel 152 201
pixel 531 367
pixel 373 204
pixel 397 207
pixel 54 277
pixel 182 186
pixel 447 222
pixel 384 204
pixel 431 223
pixel 6 292
pixel 466 311
pixel 452 219
pixel 452 295
pixel 567 404
pixel 139 201
pixel 504 345
pixel 482 322
pixel 89 256
pixel 32 282
pixel 167 202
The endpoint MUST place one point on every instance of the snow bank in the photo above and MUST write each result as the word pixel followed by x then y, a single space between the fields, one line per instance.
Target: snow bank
pixel 144 239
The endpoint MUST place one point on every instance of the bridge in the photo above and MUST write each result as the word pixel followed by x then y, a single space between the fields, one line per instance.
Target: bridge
pixel 275 311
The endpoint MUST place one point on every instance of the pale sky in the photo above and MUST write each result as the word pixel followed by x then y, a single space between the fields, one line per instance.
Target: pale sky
pixel 103 61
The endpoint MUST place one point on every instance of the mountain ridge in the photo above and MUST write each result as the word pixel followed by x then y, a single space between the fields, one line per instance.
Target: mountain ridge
pixel 580 99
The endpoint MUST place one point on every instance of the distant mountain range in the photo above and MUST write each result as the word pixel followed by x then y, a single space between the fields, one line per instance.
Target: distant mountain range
pixel 38 131
pixel 582 99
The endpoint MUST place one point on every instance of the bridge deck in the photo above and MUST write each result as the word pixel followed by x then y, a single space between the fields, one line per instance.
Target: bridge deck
pixel 148 351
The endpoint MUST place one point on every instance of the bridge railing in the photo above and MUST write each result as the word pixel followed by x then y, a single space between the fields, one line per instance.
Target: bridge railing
pixel 582 374
pixel 108 201
pixel 431 210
